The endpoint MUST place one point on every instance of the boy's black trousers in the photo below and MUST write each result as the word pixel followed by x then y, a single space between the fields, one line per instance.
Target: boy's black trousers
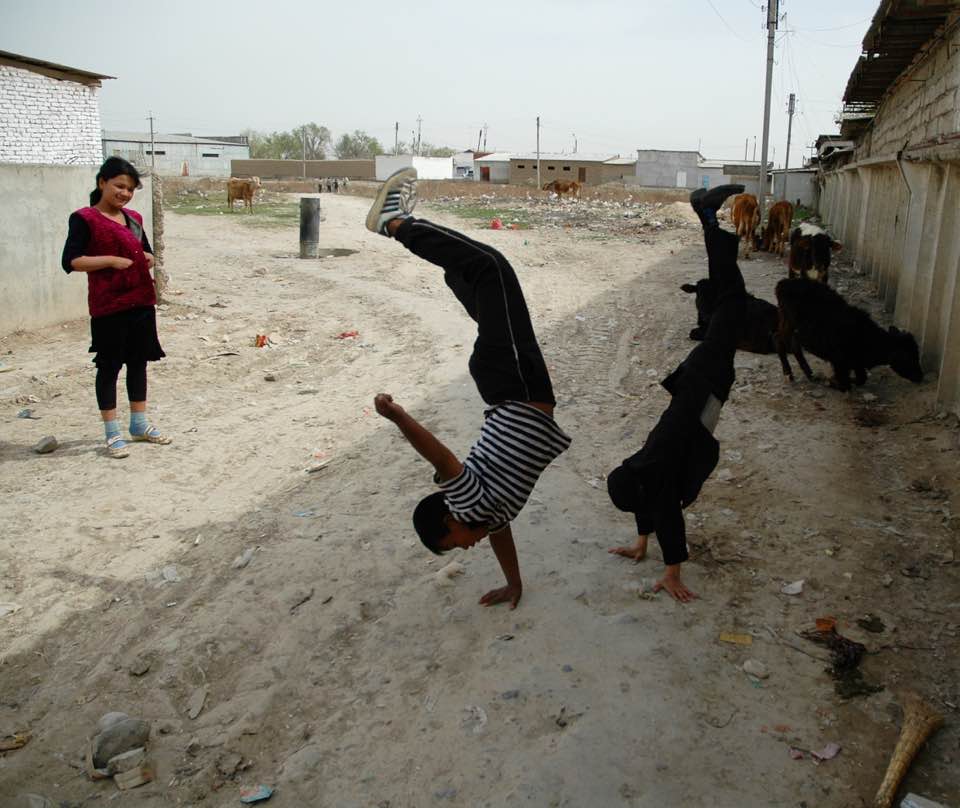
pixel 506 363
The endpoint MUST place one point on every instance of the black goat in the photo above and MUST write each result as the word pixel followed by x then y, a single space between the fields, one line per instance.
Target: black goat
pixel 815 317
pixel 760 320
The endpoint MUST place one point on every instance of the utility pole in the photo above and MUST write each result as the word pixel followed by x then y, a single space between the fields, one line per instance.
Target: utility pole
pixel 484 137
pixel 419 123
pixel 539 184
pixel 754 148
pixel 153 151
pixel 396 138
pixel 791 106
pixel 773 16
pixel 746 145
pixel 303 140
pixel 479 136
pixel 574 142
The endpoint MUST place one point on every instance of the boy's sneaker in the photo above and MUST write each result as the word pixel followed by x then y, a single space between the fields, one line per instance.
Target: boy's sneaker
pixel 397 199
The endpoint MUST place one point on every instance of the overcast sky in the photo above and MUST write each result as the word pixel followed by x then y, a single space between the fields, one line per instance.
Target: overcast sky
pixel 617 74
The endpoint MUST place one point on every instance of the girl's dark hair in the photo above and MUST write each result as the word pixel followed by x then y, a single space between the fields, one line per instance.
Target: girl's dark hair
pixel 114 167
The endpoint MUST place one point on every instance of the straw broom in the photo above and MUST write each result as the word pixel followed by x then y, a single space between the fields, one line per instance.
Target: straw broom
pixel 920 721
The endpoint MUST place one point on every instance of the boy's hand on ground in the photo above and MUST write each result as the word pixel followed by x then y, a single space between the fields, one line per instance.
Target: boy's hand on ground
pixel 637 552
pixel 672 584
pixel 506 594
pixel 385 406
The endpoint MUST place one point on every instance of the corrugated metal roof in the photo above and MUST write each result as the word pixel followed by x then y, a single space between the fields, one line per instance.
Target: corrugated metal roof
pixel 901 30
pixel 144 137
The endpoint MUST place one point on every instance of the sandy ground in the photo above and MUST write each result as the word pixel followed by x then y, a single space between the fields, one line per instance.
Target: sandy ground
pixel 338 667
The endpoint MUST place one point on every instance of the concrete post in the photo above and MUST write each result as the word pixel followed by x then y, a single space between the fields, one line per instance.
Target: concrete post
pixel 309 226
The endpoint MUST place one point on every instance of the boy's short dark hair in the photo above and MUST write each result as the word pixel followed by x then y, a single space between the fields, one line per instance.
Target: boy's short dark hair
pixel 626 491
pixel 428 521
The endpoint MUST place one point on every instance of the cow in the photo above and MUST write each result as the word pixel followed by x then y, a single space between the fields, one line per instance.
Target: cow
pixel 561 187
pixel 777 233
pixel 746 219
pixel 760 319
pixel 815 317
pixel 810 250
pixel 244 190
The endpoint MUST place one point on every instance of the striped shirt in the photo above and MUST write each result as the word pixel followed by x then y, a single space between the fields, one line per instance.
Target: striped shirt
pixel 517 442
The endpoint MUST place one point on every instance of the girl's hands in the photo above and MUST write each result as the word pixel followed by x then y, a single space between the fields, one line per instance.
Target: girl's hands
pixel 151 261
pixel 116 262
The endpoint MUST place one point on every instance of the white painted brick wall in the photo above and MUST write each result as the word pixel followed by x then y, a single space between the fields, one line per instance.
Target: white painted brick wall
pixel 46 120
pixel 923 107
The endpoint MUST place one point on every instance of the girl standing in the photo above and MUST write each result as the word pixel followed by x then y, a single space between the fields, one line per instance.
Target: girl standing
pixel 107 241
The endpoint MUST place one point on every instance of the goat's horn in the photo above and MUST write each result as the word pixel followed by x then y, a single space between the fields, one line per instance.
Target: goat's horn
pixel 920 721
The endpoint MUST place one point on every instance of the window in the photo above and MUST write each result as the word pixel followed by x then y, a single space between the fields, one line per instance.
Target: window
pixel 210 154
pixel 551 168
pixel 566 168
pixel 521 165
pixel 158 151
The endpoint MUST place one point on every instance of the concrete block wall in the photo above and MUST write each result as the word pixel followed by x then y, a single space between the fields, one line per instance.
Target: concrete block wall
pixel 904 230
pixel 35 203
pixel 47 120
pixel 924 106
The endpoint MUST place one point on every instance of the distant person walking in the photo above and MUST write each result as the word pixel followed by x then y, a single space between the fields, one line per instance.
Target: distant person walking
pixel 107 241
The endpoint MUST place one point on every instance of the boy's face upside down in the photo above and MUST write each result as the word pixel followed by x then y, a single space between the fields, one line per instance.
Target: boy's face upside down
pixel 461 535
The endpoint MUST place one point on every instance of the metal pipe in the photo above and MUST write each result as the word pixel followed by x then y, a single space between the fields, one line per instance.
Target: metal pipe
pixel 309 226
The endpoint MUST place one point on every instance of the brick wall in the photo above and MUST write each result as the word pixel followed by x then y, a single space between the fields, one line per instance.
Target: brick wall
pixel 47 120
pixel 924 106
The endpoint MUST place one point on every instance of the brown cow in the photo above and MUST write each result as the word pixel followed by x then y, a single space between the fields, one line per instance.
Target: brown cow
pixel 244 190
pixel 561 187
pixel 777 234
pixel 746 219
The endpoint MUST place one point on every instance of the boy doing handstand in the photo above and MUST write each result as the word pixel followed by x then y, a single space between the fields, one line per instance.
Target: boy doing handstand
pixel 481 495
pixel 666 475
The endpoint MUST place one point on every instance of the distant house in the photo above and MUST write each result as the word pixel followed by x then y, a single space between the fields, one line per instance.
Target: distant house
pixel 796 185
pixel 674 168
pixel 492 167
pixel 49 113
pixel 585 168
pixel 176 155
pixel 428 168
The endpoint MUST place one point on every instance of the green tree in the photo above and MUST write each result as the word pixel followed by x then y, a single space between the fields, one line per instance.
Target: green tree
pixel 357 145
pixel 290 145
pixel 429 150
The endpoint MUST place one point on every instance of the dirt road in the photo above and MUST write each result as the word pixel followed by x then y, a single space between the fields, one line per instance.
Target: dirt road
pixel 339 669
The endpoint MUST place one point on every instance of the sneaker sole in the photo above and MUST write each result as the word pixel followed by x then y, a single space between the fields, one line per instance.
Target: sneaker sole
pixel 389 184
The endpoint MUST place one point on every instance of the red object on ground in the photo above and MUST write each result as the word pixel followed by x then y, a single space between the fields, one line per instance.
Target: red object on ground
pixel 348 334
pixel 496 224
pixel 261 340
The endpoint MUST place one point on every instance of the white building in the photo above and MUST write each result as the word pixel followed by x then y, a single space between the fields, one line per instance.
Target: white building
pixel 493 167
pixel 428 168
pixel 176 155
pixel 49 113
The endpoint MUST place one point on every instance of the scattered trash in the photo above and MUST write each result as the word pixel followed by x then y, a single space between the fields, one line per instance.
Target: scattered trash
pixel 504 637
pixel 244 558
pixel 116 733
pixel 474 720
pixel 794 588
pixel 133 778
pixel 736 639
pixel 825 623
pixel 317 467
pixel 305 514
pixel 28 413
pixel 871 623
pixel 9 608
pixel 496 224
pixel 256 794
pixel 5 368
pixel 126 761
pixel 16 741
pixel 167 575
pixel 197 700
pixel 260 341
pixel 916 801
pixel 755 668
pixel 347 335
pixel 830 751
pixel 845 656
pixel 46 444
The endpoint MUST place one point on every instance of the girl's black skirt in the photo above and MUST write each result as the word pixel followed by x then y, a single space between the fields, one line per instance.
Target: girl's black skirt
pixel 126 336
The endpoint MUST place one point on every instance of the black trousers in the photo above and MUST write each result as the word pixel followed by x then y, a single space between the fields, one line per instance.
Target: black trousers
pixel 506 363
pixel 106 384
pixel 727 320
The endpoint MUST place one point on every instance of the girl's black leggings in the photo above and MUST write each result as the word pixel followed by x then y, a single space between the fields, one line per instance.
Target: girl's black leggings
pixel 107 373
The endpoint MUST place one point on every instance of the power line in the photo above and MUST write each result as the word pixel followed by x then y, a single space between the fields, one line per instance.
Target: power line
pixel 732 31
pixel 837 27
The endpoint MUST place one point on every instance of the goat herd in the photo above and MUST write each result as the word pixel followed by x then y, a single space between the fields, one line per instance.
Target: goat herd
pixel 809 314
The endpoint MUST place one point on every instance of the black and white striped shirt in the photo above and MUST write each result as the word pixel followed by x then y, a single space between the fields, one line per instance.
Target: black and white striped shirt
pixel 517 442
